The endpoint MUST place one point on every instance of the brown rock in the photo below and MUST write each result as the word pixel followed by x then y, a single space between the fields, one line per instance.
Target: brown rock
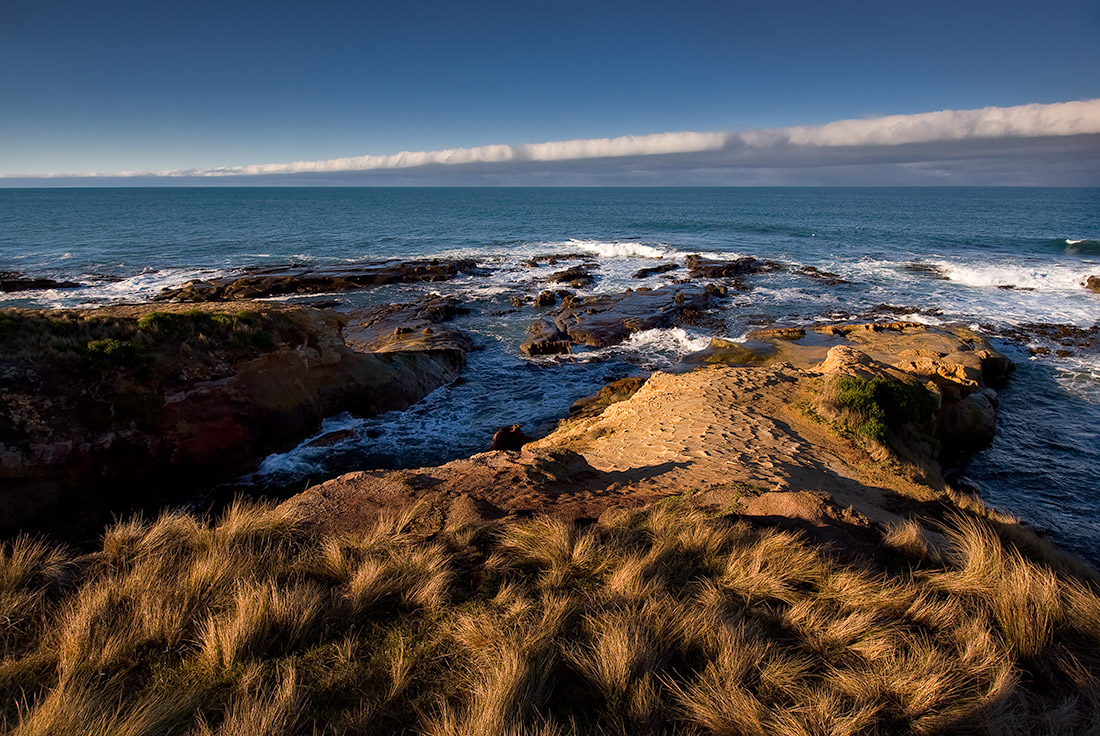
pixel 1092 283
pixel 612 393
pixel 545 299
pixel 508 438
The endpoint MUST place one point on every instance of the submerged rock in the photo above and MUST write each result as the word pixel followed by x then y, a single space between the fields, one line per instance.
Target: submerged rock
pixel 825 277
pixel 600 321
pixel 261 283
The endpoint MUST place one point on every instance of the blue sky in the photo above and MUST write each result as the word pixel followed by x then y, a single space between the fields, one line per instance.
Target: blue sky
pixel 142 86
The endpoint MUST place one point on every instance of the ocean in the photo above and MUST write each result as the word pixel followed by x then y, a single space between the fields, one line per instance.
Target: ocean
pixel 995 259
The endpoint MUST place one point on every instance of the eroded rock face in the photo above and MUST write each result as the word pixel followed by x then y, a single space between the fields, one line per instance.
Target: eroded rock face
pixel 1092 283
pixel 600 321
pixel 261 283
pixel 162 410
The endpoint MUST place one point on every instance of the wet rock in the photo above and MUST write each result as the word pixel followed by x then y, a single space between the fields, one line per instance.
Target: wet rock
pixel 612 393
pixel 708 268
pixel 644 273
pixel 728 352
pixel 600 321
pixel 825 277
pixel 546 299
pixel 517 301
pixel 779 333
pixel 390 328
pixel 926 269
pixel 11 281
pixel 552 260
pixel 1092 283
pixel 901 309
pixel 509 438
pixel 578 277
pixel 261 283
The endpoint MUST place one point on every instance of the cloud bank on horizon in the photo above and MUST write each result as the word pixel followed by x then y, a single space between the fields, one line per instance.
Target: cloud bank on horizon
pixel 909 140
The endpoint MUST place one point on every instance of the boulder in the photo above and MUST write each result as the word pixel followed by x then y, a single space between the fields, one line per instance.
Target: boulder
pixel 578 277
pixel 545 299
pixel 1092 283
pixel 508 438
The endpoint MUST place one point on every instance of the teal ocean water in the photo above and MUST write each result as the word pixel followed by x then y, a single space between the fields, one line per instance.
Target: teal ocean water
pixel 996 259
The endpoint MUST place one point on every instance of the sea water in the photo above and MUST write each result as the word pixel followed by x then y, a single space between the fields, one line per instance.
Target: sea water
pixel 990 258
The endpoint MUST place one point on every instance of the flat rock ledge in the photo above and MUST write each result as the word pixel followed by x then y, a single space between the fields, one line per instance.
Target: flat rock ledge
pixel 286 281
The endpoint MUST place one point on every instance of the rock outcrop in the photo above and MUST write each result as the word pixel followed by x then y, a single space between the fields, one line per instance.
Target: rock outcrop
pixel 731 439
pixel 140 404
pixel 1092 283
pixel 261 283
pixel 14 281
pixel 600 321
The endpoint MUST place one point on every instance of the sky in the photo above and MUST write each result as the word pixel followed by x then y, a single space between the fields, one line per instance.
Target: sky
pixel 237 93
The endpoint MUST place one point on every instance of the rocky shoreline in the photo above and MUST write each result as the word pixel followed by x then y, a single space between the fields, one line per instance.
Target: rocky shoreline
pixel 192 390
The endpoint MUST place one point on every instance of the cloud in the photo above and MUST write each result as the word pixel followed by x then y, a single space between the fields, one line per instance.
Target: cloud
pixel 989 123
pixel 1047 144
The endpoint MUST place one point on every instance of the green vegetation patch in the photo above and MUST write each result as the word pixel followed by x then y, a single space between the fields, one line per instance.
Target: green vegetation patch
pixel 881 404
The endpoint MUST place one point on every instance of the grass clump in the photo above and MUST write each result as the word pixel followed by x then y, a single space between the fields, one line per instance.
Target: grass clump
pixel 873 408
pixel 663 621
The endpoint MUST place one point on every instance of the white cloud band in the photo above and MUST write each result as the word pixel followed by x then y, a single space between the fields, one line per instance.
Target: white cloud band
pixel 989 123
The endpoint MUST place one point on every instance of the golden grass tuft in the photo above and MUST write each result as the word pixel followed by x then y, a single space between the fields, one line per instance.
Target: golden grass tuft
pixel 664 621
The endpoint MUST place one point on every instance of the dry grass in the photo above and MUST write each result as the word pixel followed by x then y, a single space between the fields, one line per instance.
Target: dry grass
pixel 662 621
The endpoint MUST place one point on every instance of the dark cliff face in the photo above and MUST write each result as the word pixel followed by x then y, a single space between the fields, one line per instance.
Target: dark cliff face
pixel 106 409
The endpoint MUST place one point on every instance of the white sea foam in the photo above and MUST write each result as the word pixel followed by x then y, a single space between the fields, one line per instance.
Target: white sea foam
pixel 1045 277
pixel 657 348
pixel 140 287
pixel 620 249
